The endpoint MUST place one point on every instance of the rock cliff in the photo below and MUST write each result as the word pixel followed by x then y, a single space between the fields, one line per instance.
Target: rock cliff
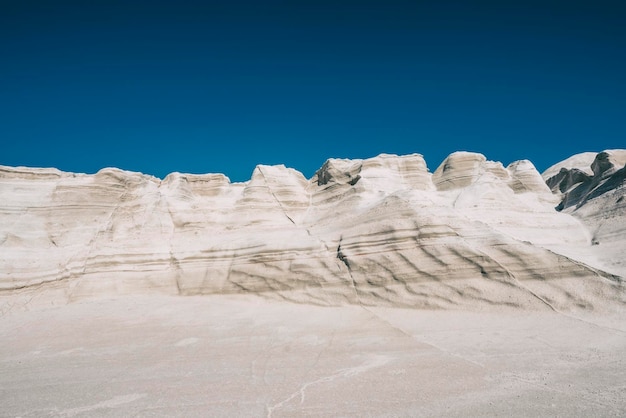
pixel 378 231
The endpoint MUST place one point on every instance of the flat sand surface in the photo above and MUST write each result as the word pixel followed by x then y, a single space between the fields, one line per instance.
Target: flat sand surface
pixel 244 356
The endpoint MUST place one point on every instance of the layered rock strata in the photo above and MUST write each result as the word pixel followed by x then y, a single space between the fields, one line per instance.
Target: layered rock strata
pixel 591 188
pixel 377 231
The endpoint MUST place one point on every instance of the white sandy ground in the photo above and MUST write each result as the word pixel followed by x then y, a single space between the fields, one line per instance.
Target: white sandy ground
pixel 230 356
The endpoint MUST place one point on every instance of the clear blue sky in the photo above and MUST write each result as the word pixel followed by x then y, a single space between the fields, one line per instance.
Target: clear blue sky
pixel 207 86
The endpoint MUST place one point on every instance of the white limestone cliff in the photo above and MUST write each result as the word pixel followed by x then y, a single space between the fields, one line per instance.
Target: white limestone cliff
pixel 377 231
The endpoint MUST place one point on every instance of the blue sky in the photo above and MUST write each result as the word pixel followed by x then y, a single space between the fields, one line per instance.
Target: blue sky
pixel 202 86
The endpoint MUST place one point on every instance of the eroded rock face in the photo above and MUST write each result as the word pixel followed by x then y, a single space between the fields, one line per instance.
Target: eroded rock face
pixel 577 182
pixel 377 231
pixel 461 169
pixel 590 187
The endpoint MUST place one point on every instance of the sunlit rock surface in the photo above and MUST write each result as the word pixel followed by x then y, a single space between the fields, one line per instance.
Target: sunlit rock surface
pixel 477 290
pixel 591 187
pixel 381 231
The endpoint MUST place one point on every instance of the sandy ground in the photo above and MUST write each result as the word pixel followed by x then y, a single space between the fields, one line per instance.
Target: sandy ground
pixel 235 356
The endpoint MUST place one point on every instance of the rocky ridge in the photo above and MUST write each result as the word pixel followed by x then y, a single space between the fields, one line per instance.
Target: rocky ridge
pixel 472 234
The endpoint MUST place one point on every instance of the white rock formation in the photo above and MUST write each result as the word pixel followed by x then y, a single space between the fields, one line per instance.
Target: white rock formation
pixel 591 188
pixel 377 231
